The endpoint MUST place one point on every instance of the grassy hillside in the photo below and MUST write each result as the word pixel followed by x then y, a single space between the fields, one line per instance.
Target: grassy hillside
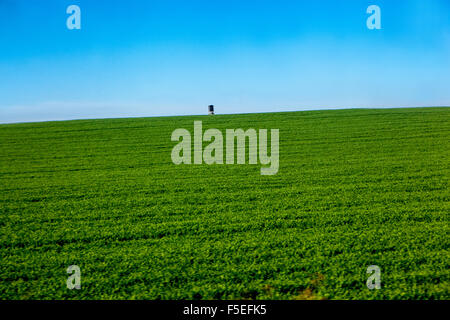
pixel 355 188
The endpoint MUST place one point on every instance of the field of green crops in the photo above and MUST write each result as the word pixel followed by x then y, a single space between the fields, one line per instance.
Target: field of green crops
pixel 354 188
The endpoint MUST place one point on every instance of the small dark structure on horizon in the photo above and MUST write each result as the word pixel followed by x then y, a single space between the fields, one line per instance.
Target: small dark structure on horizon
pixel 211 109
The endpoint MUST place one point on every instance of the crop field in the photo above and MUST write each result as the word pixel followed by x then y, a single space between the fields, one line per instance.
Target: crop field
pixel 354 188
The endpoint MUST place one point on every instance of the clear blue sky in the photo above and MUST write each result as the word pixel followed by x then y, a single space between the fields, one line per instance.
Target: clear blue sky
pixel 144 58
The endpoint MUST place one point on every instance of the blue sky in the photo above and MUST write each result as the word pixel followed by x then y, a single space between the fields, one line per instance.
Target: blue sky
pixel 169 57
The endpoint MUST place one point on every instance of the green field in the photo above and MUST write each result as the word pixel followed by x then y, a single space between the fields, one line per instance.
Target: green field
pixel 355 188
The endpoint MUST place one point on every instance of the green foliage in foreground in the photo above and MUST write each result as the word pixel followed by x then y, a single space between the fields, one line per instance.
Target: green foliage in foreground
pixel 355 188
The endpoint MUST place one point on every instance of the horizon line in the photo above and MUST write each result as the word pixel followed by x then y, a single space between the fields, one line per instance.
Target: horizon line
pixel 219 114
